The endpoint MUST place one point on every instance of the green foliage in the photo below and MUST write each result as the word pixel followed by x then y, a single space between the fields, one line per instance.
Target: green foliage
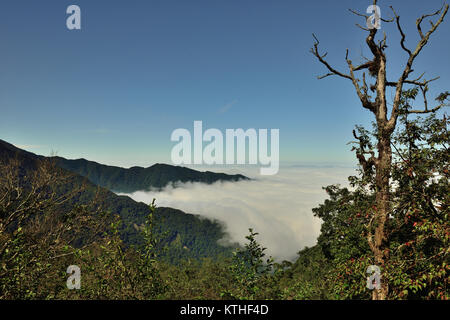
pixel 251 272
pixel 306 279
pixel 193 279
pixel 418 226
pixel 114 271
pixel 420 229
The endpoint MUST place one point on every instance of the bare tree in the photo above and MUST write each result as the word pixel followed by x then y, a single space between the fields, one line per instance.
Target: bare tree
pixel 373 98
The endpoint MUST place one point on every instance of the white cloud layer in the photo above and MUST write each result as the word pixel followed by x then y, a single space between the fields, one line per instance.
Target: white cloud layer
pixel 278 207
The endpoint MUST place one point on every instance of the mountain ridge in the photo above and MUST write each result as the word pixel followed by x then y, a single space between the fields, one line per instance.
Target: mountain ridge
pixel 188 230
pixel 136 178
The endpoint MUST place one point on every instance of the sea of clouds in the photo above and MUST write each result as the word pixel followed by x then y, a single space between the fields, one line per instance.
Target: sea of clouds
pixel 277 207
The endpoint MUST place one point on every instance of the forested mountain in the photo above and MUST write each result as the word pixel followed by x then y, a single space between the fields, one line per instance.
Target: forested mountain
pixel 185 235
pixel 124 180
pixel 137 178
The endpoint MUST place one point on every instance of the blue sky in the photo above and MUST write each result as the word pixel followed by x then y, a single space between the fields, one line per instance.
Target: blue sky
pixel 114 91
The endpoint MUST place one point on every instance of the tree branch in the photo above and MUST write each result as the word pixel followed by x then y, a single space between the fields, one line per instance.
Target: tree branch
pixel 402 41
pixel 415 82
pixel 419 20
pixel 315 52
pixel 363 96
pixel 367 164
pixel 442 98
pixel 408 68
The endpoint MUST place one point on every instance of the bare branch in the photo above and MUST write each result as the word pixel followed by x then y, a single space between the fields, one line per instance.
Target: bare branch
pixel 382 43
pixel 428 111
pixel 419 21
pixel 364 66
pixel 367 16
pixel 362 95
pixel 325 75
pixel 402 41
pixel 359 14
pixel 333 71
pixel 365 88
pixel 367 164
pixel 424 94
pixel 415 82
pixel 361 27
pixel 424 91
pixel 408 68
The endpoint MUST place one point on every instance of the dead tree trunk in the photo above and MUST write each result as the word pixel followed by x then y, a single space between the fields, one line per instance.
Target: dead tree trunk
pixel 375 101
pixel 379 244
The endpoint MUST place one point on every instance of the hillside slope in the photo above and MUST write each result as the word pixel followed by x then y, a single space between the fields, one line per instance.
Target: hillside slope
pixel 187 235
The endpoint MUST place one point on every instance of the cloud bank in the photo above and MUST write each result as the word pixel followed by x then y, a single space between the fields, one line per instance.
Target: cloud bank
pixel 278 207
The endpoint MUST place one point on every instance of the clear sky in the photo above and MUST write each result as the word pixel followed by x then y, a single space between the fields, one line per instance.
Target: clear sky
pixel 115 90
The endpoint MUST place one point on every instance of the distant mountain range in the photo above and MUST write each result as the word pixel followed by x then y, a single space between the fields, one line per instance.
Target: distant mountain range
pixel 133 179
pixel 188 235
pixel 137 178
